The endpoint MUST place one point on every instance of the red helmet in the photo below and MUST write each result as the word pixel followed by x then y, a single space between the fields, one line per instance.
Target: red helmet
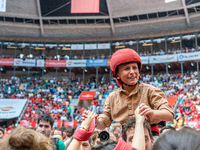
pixel 124 56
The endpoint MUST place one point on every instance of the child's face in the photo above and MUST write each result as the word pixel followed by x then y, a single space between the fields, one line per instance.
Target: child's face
pixel 128 73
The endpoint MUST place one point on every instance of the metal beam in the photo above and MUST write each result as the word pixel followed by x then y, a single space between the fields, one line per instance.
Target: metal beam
pixel 40 17
pixel 186 12
pixel 110 16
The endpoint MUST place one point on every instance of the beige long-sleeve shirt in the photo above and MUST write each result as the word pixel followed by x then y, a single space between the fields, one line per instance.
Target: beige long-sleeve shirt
pixel 120 105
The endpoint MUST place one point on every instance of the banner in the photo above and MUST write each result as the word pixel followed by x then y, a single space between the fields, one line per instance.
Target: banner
pixel 162 59
pixel 108 62
pixel 2 5
pixel 55 63
pixel 96 62
pixel 85 6
pixel 76 63
pixel 6 62
pixel 87 95
pixel 24 63
pixel 57 124
pixel 172 100
pixel 40 63
pixel 103 46
pixel 193 123
pixel 90 46
pixel 11 108
pixel 77 47
pixel 145 60
pixel 189 56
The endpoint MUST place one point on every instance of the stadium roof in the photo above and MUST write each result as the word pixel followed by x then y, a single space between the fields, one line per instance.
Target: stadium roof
pixel 52 21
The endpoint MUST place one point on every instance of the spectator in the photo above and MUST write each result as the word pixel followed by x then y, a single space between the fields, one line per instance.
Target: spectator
pixel 23 139
pixel 129 129
pixel 45 127
pixel 1 133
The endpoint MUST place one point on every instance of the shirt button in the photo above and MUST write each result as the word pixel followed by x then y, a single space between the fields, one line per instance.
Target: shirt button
pixel 129 106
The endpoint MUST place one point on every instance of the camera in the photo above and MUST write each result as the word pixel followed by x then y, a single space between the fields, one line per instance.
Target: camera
pixel 104 136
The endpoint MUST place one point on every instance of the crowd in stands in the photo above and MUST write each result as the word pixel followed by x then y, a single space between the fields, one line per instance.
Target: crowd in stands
pixel 102 56
pixel 53 97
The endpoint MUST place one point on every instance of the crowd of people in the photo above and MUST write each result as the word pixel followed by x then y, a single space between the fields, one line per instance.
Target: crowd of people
pixel 114 128
pixel 102 55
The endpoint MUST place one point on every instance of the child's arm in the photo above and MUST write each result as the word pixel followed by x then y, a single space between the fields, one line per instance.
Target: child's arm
pixel 162 114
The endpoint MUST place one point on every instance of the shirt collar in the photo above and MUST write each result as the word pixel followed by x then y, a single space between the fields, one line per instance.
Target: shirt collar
pixel 134 91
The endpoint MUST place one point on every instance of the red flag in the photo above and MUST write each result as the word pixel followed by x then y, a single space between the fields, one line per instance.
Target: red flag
pixel 84 6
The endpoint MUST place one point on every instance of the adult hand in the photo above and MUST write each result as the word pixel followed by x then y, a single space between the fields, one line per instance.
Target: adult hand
pixel 88 120
pixel 139 118
pixel 146 110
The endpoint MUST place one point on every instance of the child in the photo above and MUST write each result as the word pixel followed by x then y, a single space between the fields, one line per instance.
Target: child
pixel 121 103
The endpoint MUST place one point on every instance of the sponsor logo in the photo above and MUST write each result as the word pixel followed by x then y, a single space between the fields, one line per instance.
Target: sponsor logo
pixel 69 63
pixel 17 62
pixel 6 108
pixel 181 57
pixel 87 95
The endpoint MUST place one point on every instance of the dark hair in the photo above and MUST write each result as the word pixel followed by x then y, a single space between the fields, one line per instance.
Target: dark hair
pixel 108 145
pixel 185 138
pixel 2 130
pixel 69 131
pixel 166 127
pixel 57 130
pixel 130 123
pixel 46 117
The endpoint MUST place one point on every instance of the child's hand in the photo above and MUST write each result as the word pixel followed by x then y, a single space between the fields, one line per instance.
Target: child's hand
pixel 146 110
pixel 88 121
pixel 139 118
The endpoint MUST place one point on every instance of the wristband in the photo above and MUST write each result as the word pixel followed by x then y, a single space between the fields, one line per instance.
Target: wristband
pixel 122 145
pixel 84 128
pixel 82 135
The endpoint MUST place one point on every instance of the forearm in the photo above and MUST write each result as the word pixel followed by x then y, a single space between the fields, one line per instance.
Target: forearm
pixel 74 145
pixel 163 115
pixel 138 138
pixel 101 125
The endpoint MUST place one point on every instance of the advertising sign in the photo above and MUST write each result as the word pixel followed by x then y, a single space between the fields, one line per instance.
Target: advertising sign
pixel 6 62
pixel 55 63
pixel 11 108
pixel 2 5
pixel 24 63
pixel 96 62
pixel 189 56
pixel 77 47
pixel 145 60
pixel 40 63
pixel 90 46
pixel 103 46
pixel 76 63
pixel 87 95
pixel 162 59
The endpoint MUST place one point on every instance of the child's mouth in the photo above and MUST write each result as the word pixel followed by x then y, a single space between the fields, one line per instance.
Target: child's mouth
pixel 131 78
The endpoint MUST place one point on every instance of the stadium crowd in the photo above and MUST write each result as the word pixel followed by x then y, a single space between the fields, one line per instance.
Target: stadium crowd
pixel 102 55
pixel 53 97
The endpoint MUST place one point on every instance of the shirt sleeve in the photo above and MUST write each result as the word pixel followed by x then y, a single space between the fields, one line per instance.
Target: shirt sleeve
pixel 158 100
pixel 105 117
pixel 61 145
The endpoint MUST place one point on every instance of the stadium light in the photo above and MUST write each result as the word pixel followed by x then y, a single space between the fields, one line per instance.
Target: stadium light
pixel 192 64
pixel 85 70
pixel 65 70
pixel 169 66
pixel 21 55
pixel 1 69
pixel 147 67
pixel 106 70
pixel 24 69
